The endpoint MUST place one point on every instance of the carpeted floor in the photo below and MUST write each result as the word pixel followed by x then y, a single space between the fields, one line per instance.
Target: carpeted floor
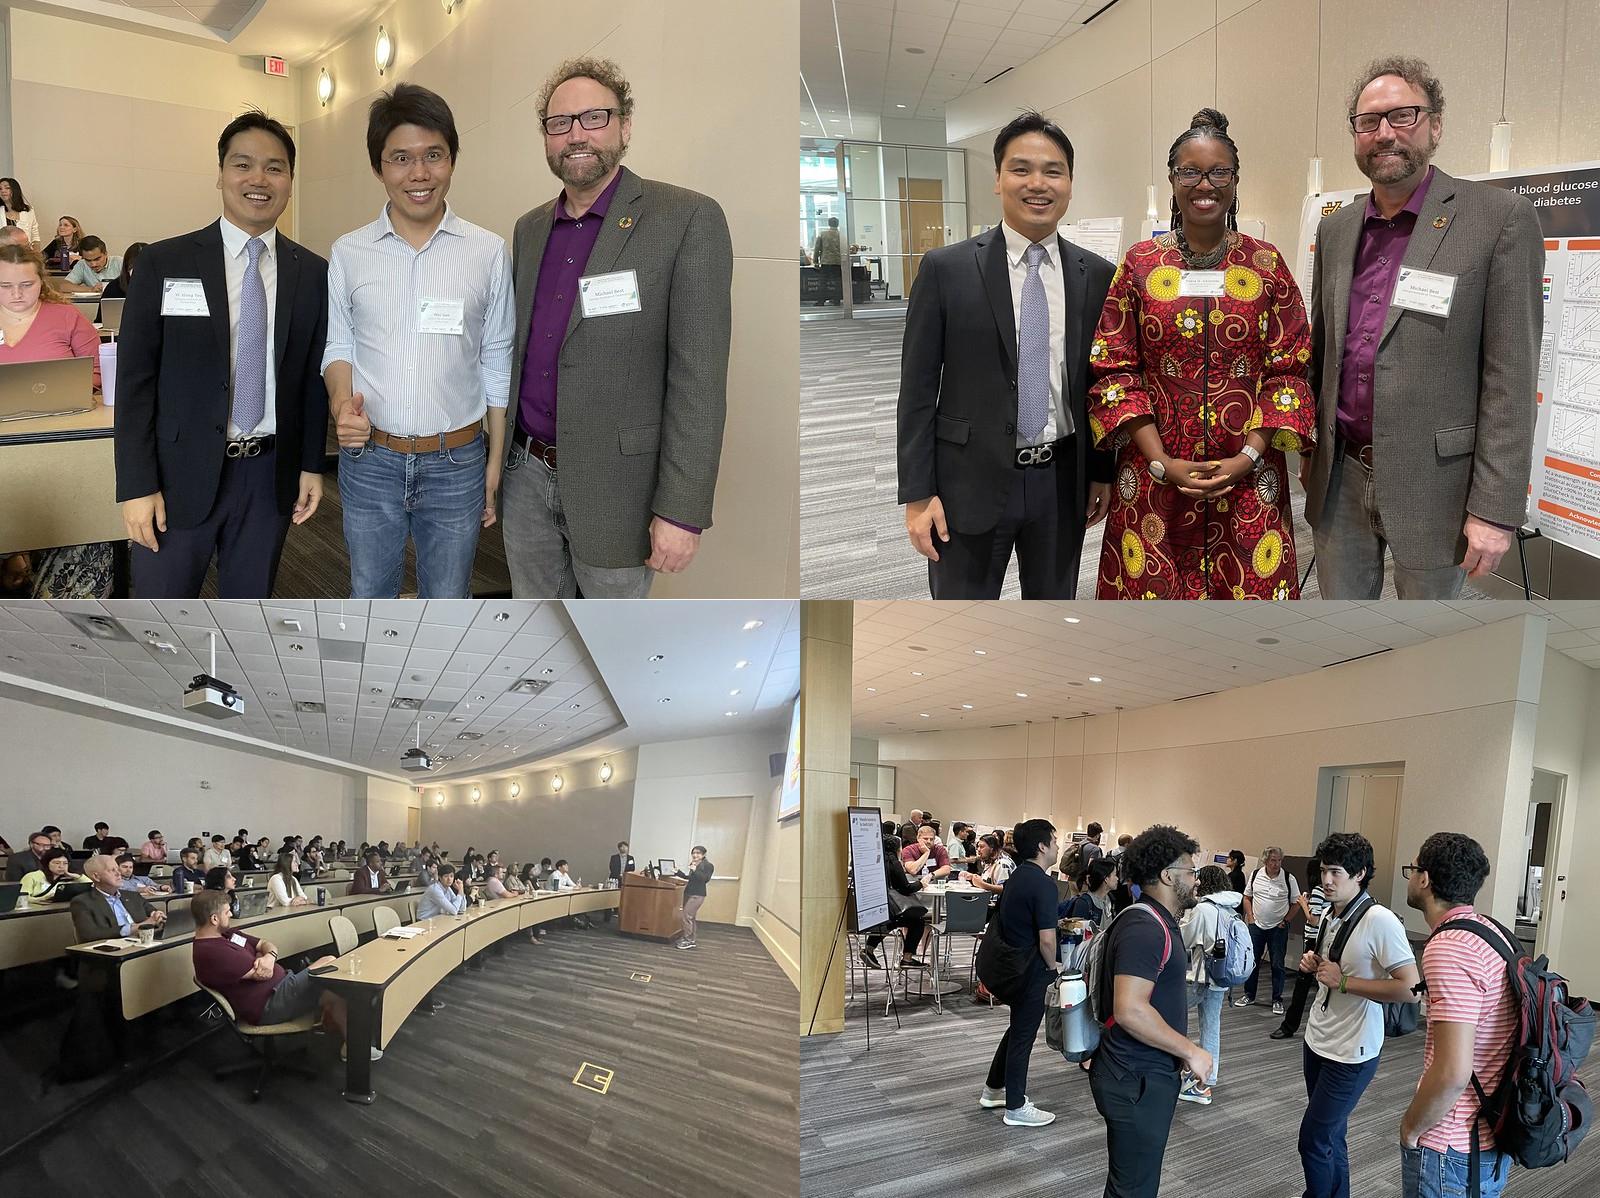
pixel 852 532
pixel 903 1120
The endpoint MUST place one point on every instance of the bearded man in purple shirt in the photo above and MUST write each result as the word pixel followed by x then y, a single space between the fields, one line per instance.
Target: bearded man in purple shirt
pixel 1426 313
pixel 619 384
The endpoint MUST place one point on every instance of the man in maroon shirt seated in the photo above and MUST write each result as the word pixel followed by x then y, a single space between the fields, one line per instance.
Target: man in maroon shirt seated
pixel 245 971
pixel 925 859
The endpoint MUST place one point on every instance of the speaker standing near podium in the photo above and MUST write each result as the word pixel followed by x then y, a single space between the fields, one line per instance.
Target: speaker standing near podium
pixel 694 893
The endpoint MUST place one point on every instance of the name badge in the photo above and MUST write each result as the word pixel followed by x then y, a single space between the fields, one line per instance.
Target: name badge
pixel 1200 283
pixel 237 940
pixel 441 316
pixel 1423 291
pixel 609 295
pixel 183 297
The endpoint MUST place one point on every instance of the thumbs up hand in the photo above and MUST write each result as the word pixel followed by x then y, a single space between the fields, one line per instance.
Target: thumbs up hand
pixel 352 424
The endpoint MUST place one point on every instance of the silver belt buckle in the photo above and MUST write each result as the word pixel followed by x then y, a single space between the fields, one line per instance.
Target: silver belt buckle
pixel 244 447
pixel 1035 455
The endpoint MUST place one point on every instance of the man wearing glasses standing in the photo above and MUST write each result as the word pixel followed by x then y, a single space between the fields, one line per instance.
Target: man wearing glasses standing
pixel 622 327
pixel 1426 315
pixel 419 348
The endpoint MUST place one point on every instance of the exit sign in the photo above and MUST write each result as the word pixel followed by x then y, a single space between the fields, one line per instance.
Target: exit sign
pixel 276 66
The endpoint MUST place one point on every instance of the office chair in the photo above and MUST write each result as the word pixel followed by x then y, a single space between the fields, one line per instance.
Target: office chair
pixel 345 937
pixel 266 1060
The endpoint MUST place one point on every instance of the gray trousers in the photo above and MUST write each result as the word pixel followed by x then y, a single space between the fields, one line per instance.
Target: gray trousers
pixel 538 551
pixel 691 907
pixel 1350 542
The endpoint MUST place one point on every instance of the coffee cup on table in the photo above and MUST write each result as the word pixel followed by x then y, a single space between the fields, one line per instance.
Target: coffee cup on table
pixel 147 936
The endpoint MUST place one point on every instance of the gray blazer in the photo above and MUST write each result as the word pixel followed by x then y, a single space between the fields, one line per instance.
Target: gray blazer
pixel 1453 397
pixel 642 396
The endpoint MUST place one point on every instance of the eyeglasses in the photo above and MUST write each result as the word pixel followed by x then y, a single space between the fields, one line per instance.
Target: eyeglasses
pixel 595 118
pixel 400 160
pixel 1398 118
pixel 1407 870
pixel 1181 869
pixel 1220 176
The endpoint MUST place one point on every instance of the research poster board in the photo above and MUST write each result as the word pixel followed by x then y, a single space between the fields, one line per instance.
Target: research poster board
pixel 871 884
pixel 1564 485
pixel 1100 235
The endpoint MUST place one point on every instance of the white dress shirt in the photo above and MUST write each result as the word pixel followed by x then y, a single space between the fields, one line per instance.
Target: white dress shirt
pixel 415 383
pixel 28 222
pixel 281 893
pixel 1059 423
pixel 563 881
pixel 235 257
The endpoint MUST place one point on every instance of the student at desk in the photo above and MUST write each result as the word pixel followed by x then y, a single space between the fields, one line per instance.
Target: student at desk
pixel 245 971
pixel 95 268
pixel 55 870
pixel 283 887
pixel 108 911
pixel 446 896
pixel 220 878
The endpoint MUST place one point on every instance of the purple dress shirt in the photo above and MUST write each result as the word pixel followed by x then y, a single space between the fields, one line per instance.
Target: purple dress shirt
pixel 566 257
pixel 1378 254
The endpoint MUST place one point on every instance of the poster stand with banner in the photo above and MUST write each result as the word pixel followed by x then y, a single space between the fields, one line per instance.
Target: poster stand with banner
pixel 1564 485
pixel 869 886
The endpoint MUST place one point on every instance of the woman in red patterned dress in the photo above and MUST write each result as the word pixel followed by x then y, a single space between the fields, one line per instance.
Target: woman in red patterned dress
pixel 1199 368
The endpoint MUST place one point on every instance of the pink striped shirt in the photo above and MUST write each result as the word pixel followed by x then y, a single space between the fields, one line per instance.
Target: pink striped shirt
pixel 1467 984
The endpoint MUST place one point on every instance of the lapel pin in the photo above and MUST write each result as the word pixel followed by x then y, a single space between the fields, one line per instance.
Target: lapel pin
pixel 625 223
pixel 1440 222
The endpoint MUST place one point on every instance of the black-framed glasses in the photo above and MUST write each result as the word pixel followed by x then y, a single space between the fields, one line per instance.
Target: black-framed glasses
pixel 1407 870
pixel 594 118
pixel 1398 118
pixel 1219 176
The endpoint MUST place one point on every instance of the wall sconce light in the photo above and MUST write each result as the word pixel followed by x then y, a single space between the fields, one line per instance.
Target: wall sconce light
pixel 555 783
pixel 605 772
pixel 438 798
pixel 324 86
pixel 383 50
pixel 515 790
pixel 449 5
pixel 476 794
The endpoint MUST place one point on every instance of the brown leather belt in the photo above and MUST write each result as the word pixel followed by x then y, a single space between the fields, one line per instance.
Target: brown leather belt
pixel 536 448
pixel 1361 453
pixel 430 443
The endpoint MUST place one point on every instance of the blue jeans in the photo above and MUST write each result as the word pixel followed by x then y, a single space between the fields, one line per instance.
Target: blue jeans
pixel 1210 1003
pixel 1332 1091
pixel 435 498
pixel 1276 942
pixel 1429 1173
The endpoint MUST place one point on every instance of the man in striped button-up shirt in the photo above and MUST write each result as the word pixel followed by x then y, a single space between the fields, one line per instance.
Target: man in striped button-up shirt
pixel 419 347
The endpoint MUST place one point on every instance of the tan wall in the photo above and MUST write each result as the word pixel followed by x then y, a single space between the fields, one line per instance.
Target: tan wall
pixel 488 60
pixel 1098 85
pixel 1239 769
pixel 582 823
pixel 387 803
pixel 120 129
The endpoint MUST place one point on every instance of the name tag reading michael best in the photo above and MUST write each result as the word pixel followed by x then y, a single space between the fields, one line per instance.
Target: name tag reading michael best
pixel 609 295
pixel 1423 291
pixel 441 315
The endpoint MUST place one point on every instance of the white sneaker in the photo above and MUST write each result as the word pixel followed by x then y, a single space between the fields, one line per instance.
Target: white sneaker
pixel 1242 1001
pixel 1028 1115
pixel 377 1053
pixel 1277 1008
pixel 992 1098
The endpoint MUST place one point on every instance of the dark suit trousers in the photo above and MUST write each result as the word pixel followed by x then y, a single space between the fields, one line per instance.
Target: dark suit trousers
pixel 973 566
pixel 243 529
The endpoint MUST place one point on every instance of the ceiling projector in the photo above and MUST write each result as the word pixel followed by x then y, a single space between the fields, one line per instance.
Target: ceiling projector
pixel 416 760
pixel 207 696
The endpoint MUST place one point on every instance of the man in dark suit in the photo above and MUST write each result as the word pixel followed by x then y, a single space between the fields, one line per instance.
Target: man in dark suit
pixel 624 317
pixel 621 862
pixel 221 409
pixel 108 911
pixel 994 447
pixel 370 878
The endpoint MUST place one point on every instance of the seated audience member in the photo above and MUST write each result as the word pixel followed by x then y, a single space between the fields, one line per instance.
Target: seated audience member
pixel 63 251
pixel 561 879
pixel 54 833
pixel 891 831
pixel 370 878
pixel 912 916
pixel 427 870
pixel 113 846
pixel 444 896
pixel 91 844
pixel 155 848
pixel 118 287
pixel 217 854
pixel 41 885
pixel 11 235
pixel 497 886
pixel 95 266
pixel 994 865
pixel 256 856
pixel 283 887
pixel 383 850
pixel 108 911
pixel 196 845
pixel 245 971
pixel 926 859
pixel 135 882
pixel 19 865
pixel 221 878
pixel 188 877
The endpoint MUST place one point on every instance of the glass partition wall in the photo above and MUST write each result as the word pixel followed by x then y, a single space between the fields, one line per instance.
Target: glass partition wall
pixel 868 212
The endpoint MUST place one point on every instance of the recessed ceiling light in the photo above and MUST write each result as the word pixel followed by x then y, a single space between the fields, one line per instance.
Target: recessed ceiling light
pixel 272 694
pixel 657 657
pixel 391 633
pixel 739 665
pixel 1070 619
pixel 916 673
pixel 923 714
pixel 75 645
pixel 416 678
pixel 899 105
pixel 574 707
pixel 1095 678
pixel 663 700
pixel 500 617
pixel 374 690
pixel 479 698
pixel 730 713
pixel 872 690
pixel 297 648
pixel 548 670
pixel 966 707
pixel 981 652
pixel 1266 640
pixel 752 625
pixel 1022 694
pixel 915 50
pixel 733 692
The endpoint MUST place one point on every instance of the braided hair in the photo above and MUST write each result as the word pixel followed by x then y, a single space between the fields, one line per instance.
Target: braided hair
pixel 1208 122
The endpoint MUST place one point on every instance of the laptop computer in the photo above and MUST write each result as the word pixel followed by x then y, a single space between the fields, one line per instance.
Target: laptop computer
pixel 34 389
pixel 111 315
pixel 68 891
pixel 89 309
pixel 10 892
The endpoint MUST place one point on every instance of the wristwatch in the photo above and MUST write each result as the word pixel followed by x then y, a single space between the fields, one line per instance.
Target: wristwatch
pixel 1158 472
pixel 1250 452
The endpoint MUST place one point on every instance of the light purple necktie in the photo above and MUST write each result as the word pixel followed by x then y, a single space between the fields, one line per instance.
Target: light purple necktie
pixel 1033 351
pixel 250 360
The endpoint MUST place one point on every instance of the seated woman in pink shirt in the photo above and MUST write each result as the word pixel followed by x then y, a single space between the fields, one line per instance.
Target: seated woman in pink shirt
pixel 37 325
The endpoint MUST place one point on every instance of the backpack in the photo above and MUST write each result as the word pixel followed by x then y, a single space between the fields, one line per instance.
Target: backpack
pixel 1100 981
pixel 1540 1112
pixel 1071 863
pixel 1399 1018
pixel 1002 967
pixel 1232 959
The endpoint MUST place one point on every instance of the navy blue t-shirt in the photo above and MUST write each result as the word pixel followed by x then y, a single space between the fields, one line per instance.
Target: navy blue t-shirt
pixel 1135 949
pixel 1027 907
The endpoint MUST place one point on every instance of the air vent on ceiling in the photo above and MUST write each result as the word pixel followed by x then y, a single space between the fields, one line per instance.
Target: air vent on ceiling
pixel 310 707
pixel 100 628
pixel 406 704
pixel 469 736
pixel 527 686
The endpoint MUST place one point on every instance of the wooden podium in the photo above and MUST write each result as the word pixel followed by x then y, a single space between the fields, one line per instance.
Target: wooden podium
pixel 651 906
